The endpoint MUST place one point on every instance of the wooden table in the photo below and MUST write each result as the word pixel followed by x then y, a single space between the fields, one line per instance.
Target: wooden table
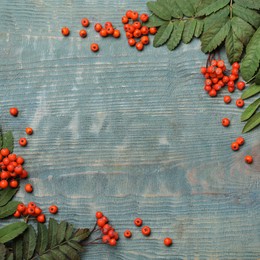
pixel 129 133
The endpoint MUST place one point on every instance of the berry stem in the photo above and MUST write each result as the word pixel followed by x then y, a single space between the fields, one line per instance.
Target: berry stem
pixel 84 243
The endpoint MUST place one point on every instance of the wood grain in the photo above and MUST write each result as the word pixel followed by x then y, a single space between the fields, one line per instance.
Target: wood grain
pixel 129 133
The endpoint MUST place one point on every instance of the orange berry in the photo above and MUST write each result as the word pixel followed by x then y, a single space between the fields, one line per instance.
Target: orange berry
pixel 129 13
pixel 227 99
pixel 167 241
pixel 138 222
pixel 21 207
pixel 145 40
pixel 134 15
pixel 37 211
pixel 5 151
pixel 13 183
pixel 94 47
pixel 144 30
pixel 105 239
pixel 146 231
pixel 240 140
pixel 98 27
pixel 127 233
pixel 12 157
pixel 65 31
pixel 17 214
pixel 3 184
pixel 153 30
pixel 83 33
pixel 85 22
pixel 125 20
pixel 110 30
pixel 131 42
pixel 28 188
pixel 20 160
pixel 225 122
pixel 240 102
pixel 139 46
pixel 108 24
pixel 116 33
pixel 23 141
pixel 112 242
pixel 241 85
pixel 99 214
pixel 13 111
pixel 41 218
pixel 235 146
pixel 248 159
pixel 53 209
pixel 103 32
pixel 144 17
pixel 101 222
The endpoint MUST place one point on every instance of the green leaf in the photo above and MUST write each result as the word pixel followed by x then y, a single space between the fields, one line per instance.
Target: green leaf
pixel 212 8
pixel 247 15
pixel 257 77
pixel 199 28
pixel 8 141
pixel 10 256
pixel 234 47
pixel 173 8
pixel 250 62
pixel 251 91
pixel 252 123
pixel 70 252
pixel 47 256
pixel 210 21
pixel 2 252
pixel 250 110
pixel 29 242
pixel 18 248
pixel 211 39
pixel 6 195
pixel 176 35
pixel 69 232
pixel 61 231
pixel 163 34
pixel 76 246
pixel 52 235
pixel 11 231
pixel 186 7
pixel 81 234
pixel 154 21
pixel 242 29
pixel 9 209
pixel 159 10
pixel 42 238
pixel 57 254
pixel 189 29
pixel 253 4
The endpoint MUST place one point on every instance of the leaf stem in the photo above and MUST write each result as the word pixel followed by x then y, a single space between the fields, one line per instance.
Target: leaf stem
pixel 250 79
pixel 231 9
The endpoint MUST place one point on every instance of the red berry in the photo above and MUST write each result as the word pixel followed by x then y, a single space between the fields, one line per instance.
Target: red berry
pixel 111 233
pixel 131 42
pixel 235 146
pixel 225 122
pixel 144 30
pixel 214 63
pixel 21 207
pixel 128 35
pixel 105 239
pixel 231 89
pixel 103 32
pixel 13 111
pixel 138 222
pixel 3 184
pixel 234 71
pixel 85 22
pixel 128 13
pixel 213 93
pixel 18 169
pixel 65 31
pixel 53 209
pixel 208 82
pixel 112 242
pixel 139 46
pixel 144 17
pixel 218 71
pixel 98 27
pixel 236 65
pixel 227 99
pixel 130 28
pixel 167 241
pixel 137 25
pixel 99 214
pixel 153 30
pixel 116 33
pixel 23 141
pixel 12 157
pixel 13 184
pixel 240 140
pixel 28 188
pixel 145 40
pixel 83 33
pixel 241 85
pixel 125 19
pixel 41 218
pixel 240 102
pixel 24 174
pixel 248 159
pixel 101 222
pixel 203 70
pixel 225 79
pixel 231 83
pixel 5 151
pixel 5 175
pixel 146 231
pixel 134 15
pixel 108 24
pixel 207 88
pixel 20 160
pixel 94 47
pixel 17 214
pixel 110 30
pixel 127 233
pixel 220 63
pixel 37 211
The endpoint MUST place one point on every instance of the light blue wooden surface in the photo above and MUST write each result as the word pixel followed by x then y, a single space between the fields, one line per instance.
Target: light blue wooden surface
pixel 129 133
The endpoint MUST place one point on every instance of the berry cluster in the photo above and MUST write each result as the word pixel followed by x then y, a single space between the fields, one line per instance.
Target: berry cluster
pixel 31 210
pixel 216 78
pixel 110 236
pixel 235 146
pixel 136 30
pixel 107 30
pixel 12 170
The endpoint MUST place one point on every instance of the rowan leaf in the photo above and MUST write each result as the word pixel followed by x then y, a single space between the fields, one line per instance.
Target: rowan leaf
pixel 47 256
pixel 11 231
pixel 211 39
pixel 18 248
pixel 189 30
pixel 29 242
pixel 76 246
pixel 61 232
pixel 199 28
pixel 81 234
pixel 212 7
pixel 253 4
pixel 257 77
pixel 57 254
pixel 234 47
pixel 173 8
pixel 251 60
pixel 2 252
pixel 163 34
pixel 186 7
pixel 52 232
pixel 69 231
pixel 70 252
pixel 9 209
pixel 247 15
pixel 42 238
pixel 242 29
pixel 250 110
pixel 251 91
pixel 8 141
pixel 159 10
pixel 176 35
pixel 154 21
pixel 6 195
pixel 252 123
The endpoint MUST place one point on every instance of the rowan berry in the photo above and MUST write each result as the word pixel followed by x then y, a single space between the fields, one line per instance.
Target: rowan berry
pixel 217 87
pixel 130 28
pixel 28 188
pixel 240 102
pixel 208 82
pixel 105 219
pixel 6 161
pixel 225 122
pixel 13 183
pixel 101 222
pixel 25 212
pixel 83 33
pixel 116 33
pixel 129 13
pixel 125 19
pixel 110 30
pixel 134 15
pixel 203 70
pixel 12 157
pixel 5 175
pixel 248 159
pixel 20 160
pixel 99 214
pixel 37 211
pixel 241 85
pixel 24 174
pixel 221 83
pixel 234 71
pixel 106 229
pixel 236 65
pixel 129 35
pixel 65 31
pixel 5 152
pixel 214 80
pixel 231 83
pixel 21 207
pixel 137 25
pixel 220 63
pixel 111 233
pixel 137 33
pixel 13 111
pixel 145 40
pixel 17 214
pixel 146 231
pixel 218 71
pixel 23 141
pixel 207 88
pixel 167 241
pixel 94 47
pixel 108 24
pixel 131 42
pixel 41 218
pixel 98 27
pixel 213 93
pixel 105 239
pixel 13 174
pixel 3 167
pixel 103 32
pixel 138 222
pixel 211 69
pixel 235 146
pixel 144 17
pixel 112 242
pixel 30 211
pixel 240 140
pixel 232 77
pixel 18 169
pixel 214 63
pixel 153 30
pixel 231 89
pixel 225 79
pixel 53 209
pixel 139 46
pixel 85 22
pixel 207 76
pixel 3 184
pixel 126 27
pixel 127 233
